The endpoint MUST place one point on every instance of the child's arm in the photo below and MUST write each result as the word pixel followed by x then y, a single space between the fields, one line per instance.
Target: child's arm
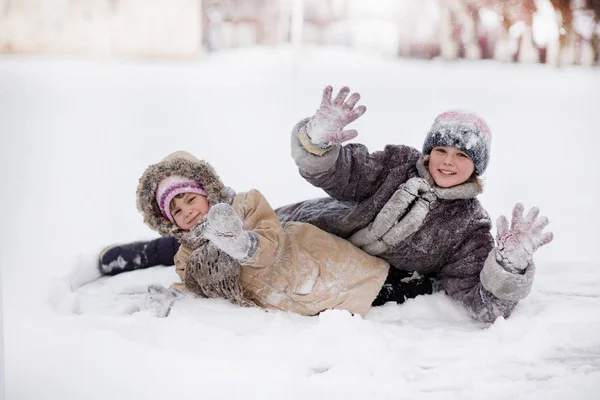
pixel 490 280
pixel 347 172
pixel 350 172
pixel 260 218
pixel 461 277
pixel 249 231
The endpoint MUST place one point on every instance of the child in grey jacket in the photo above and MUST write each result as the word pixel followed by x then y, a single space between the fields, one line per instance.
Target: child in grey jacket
pixel 418 210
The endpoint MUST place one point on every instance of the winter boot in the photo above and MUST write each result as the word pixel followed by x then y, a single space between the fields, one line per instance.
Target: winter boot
pixel 137 255
pixel 402 285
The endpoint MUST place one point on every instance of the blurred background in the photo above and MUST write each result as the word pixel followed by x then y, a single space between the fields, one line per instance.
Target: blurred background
pixel 556 32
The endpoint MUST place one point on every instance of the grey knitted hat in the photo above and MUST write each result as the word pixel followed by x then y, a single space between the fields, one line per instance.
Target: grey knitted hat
pixel 464 130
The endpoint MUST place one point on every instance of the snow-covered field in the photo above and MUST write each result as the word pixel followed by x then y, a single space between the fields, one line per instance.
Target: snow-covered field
pixel 76 136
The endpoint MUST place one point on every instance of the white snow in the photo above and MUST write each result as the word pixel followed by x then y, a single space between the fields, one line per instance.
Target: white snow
pixel 76 136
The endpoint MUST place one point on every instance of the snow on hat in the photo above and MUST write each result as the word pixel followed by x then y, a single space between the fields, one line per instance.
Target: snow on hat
pixel 464 130
pixel 170 187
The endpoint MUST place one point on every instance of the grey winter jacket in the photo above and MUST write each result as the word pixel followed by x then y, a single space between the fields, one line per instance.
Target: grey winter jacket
pixel 387 203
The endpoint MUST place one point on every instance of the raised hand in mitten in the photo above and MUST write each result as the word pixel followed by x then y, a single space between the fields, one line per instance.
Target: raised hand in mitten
pixel 326 126
pixel 224 228
pixel 515 246
pixel 159 299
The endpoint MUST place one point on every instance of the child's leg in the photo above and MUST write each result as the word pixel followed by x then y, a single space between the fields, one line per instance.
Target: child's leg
pixel 402 285
pixel 128 257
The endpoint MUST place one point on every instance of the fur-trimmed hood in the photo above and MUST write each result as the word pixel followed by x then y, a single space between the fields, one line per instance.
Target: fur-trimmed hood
pixel 186 165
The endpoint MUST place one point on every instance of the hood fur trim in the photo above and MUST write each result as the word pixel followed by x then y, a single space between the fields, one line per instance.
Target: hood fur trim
pixel 186 165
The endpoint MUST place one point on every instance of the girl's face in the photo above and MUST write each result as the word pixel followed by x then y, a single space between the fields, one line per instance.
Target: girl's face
pixel 189 209
pixel 449 166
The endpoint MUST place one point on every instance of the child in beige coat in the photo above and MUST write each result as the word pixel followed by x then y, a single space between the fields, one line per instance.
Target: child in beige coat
pixel 234 247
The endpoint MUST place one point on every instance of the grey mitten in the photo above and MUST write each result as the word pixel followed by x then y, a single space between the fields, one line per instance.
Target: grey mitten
pixel 394 210
pixel 515 247
pixel 326 126
pixel 400 217
pixel 213 274
pixel 194 238
pixel 224 228
pixel 159 299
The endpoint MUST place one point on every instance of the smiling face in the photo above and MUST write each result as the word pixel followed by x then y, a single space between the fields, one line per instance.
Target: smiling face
pixel 188 209
pixel 449 166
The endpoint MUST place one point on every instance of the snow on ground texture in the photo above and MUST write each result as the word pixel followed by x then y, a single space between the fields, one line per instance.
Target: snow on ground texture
pixel 76 135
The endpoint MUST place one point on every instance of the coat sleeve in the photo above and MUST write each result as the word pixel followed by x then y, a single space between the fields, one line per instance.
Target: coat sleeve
pixel 462 278
pixel 258 217
pixel 348 172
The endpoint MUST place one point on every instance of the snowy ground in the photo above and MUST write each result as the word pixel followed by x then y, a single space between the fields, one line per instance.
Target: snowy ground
pixel 76 136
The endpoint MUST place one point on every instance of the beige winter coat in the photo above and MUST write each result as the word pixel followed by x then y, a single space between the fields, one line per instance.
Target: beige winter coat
pixel 300 268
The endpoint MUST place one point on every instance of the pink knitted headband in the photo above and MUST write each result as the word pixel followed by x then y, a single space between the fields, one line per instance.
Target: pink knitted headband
pixel 170 187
